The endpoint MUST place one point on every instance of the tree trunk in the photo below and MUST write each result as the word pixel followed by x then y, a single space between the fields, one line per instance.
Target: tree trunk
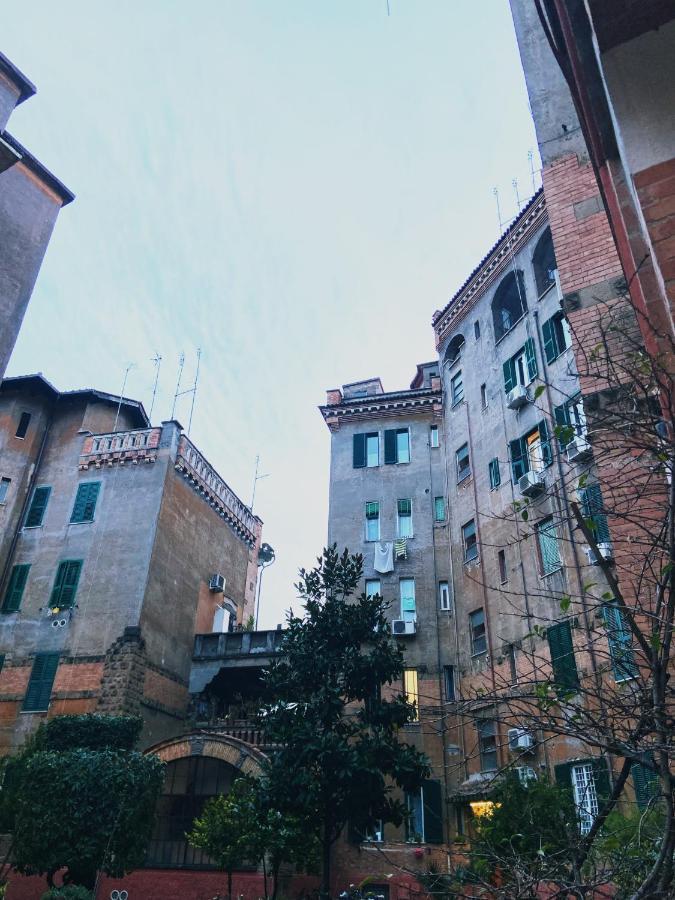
pixel 325 864
pixel 229 884
pixel 264 865
pixel 275 878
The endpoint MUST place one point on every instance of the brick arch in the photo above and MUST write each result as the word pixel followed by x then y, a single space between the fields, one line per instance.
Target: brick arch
pixel 245 757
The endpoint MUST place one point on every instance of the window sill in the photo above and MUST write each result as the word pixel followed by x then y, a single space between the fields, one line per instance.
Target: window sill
pixel 552 572
pixel 31 527
pixel 85 522
pixel 478 655
pixel 464 478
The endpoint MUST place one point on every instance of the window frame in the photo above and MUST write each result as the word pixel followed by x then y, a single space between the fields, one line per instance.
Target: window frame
pixel 465 472
pixel 483 396
pixel 470 546
pixel 494 473
pixel 556 336
pixel 547 530
pixel 410 690
pixel 440 506
pixel 27 416
pixel 368 518
pixel 5 484
pixel 478 632
pixel 16 588
pixel 456 389
pixel 370 436
pixel 501 565
pixel 41 683
pixel 400 518
pixel 586 802
pixel 42 509
pixel 449 684
pixel 487 744
pixel 564 671
pixel 434 438
pixel 82 488
pixel 410 600
pixel 60 584
pixel 444 599
pixel 371 581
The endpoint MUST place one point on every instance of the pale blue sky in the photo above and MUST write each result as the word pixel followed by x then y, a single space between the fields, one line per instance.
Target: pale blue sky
pixel 292 185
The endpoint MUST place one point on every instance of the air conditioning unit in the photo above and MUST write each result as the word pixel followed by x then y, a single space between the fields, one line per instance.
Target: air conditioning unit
pixel 520 739
pixel 217 583
pixel 606 552
pixel 531 484
pixel 526 773
pixel 517 397
pixel 402 626
pixel 578 449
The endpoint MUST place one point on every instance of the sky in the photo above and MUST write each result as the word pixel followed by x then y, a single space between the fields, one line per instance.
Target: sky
pixel 293 186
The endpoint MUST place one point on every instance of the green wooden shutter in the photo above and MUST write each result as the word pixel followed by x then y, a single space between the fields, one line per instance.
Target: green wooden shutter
pixel 645 783
pixel 359 451
pixel 530 359
pixel 433 812
pixel 563 425
pixel 85 502
pixel 509 368
pixel 603 785
pixel 38 506
pixel 620 643
pixel 548 545
pixel 551 351
pixel 520 463
pixel 15 588
pixel 390 451
pixel 563 775
pixel 405 507
pixel 65 585
pixel 40 684
pixel 592 507
pixel 565 673
pixel 546 451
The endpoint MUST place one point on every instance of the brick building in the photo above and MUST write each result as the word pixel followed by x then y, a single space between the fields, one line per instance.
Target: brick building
pixel 30 200
pixel 118 542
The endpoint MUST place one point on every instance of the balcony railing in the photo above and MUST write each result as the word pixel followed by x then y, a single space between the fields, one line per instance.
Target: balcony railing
pixel 139 445
pixel 207 481
pixel 237 644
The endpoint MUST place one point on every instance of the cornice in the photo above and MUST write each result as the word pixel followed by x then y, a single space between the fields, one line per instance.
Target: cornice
pixel 382 406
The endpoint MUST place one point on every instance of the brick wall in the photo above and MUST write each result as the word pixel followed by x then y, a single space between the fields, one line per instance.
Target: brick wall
pixel 656 191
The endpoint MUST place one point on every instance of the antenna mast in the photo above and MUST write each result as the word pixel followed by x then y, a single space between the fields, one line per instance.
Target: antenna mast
pixel 181 363
pixel 194 390
pixel 495 192
pixel 119 405
pixel 256 478
pixel 514 182
pixel 157 361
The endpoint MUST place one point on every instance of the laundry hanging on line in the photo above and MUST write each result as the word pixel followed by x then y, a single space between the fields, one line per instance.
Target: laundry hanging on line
pixel 384 557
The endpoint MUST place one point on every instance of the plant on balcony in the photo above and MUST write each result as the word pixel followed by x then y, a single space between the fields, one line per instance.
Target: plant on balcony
pixel 341 758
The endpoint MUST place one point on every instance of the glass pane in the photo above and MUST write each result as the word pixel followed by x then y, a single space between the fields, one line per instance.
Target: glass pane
pixel 372 450
pixel 403 446
pixel 373 587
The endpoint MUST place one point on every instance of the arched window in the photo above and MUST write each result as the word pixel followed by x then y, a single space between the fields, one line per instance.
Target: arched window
pixel 543 263
pixel 508 304
pixel 188 783
pixel 454 348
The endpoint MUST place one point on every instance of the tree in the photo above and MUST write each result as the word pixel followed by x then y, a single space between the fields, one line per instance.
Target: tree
pixel 341 757
pixel 80 798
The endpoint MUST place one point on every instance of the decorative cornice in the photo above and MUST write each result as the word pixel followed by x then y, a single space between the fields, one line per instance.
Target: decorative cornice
pixel 383 405
pixel 120 447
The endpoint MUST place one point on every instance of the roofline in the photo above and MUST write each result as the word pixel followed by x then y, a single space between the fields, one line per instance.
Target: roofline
pixel 363 381
pixel 16 76
pixel 43 173
pixel 503 237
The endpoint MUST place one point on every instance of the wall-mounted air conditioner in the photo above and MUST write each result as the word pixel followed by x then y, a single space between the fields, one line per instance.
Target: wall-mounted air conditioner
pixel 531 484
pixel 578 449
pixel 520 739
pixel 217 583
pixel 401 627
pixel 526 773
pixel 517 397
pixel 605 550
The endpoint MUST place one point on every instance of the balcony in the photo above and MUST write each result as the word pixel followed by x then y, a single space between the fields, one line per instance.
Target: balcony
pixel 120 447
pixel 241 655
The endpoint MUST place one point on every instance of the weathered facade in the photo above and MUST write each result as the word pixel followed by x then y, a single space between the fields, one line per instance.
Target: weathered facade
pixel 111 533
pixel 30 200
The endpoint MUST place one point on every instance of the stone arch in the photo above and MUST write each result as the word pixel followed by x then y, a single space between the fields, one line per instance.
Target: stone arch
pixel 237 753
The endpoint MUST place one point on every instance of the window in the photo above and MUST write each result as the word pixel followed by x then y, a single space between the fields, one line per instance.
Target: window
pixel 24 422
pixel 410 691
pixel 396 446
pixel 509 304
pixel 593 509
pixel 4 488
pixel 366 450
pixel 40 684
pixel 645 783
pixel 511 658
pixel 415 821
pixel 570 420
pixel 483 396
pixel 373 587
pixel 372 520
pixel 469 541
pixel 532 452
pixel 456 389
pixel 433 435
pixel 501 559
pixel 620 643
pixel 38 507
pixel 85 502
pixel 374 834
pixel 585 795
pixel 65 584
pixel 556 336
pixel 478 633
pixel 495 474
pixel 408 607
pixel 454 351
pixel 521 368
pixel 564 665
pixel 487 744
pixel 444 596
pixel 15 588
pixel 463 463
pixel 439 509
pixel 449 680
pixel 544 264
pixel 404 518
pixel 476 329
pixel 549 551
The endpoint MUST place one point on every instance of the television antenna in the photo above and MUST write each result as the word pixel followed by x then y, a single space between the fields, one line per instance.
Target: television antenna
pixel 157 362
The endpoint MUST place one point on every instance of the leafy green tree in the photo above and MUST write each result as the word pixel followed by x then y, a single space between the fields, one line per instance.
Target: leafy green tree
pixel 80 798
pixel 341 756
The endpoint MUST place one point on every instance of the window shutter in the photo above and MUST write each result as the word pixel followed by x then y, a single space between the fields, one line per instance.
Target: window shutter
pixel 433 812
pixel 620 643
pixel 563 424
pixel 41 680
pixel 65 586
pixel 509 375
pixel 546 452
pixel 372 509
pixel 548 544
pixel 603 787
pixel 58 584
pixel 390 454
pixel 15 588
pixel 550 344
pixel 563 775
pixel 645 783
pixel 592 507
pixel 530 359
pixel 404 507
pixel 519 459
pixel 85 502
pixel 359 451
pixel 565 673
pixel 38 506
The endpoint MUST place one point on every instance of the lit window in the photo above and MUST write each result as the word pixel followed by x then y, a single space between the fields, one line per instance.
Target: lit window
pixel 433 435
pixel 478 633
pixel 532 452
pixel 439 509
pixel 463 462
pixel 372 520
pixel 469 541
pixel 444 596
pixel 456 389
pixel 410 691
pixel 404 518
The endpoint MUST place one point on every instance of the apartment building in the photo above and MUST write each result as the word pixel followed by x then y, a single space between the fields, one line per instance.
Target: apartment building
pixel 118 543
pixel 30 201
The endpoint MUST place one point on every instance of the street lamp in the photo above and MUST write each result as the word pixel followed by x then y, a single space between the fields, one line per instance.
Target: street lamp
pixel 266 557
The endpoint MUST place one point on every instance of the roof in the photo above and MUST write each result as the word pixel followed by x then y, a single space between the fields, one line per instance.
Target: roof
pixel 16 76
pixel 504 236
pixel 43 173
pixel 419 374
pixel 38 382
